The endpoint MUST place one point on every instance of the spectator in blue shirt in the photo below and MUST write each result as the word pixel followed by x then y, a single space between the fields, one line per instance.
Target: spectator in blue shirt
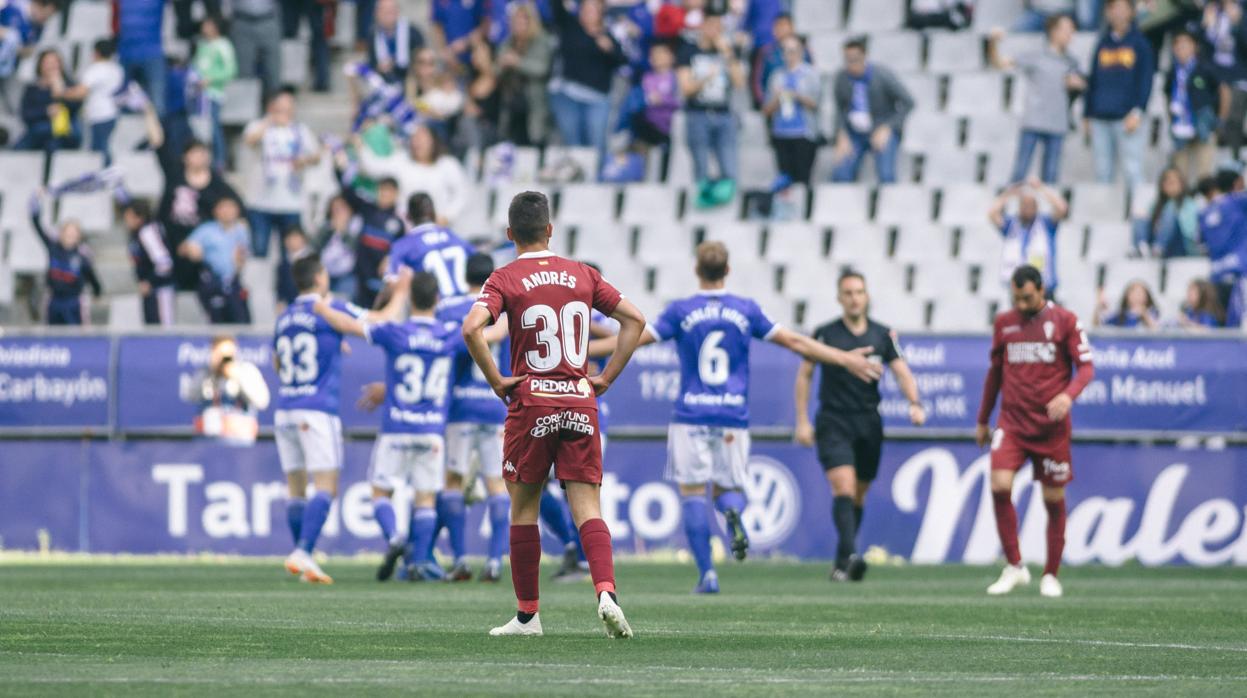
pixel 20 30
pixel 220 247
pixel 49 107
pixel 1029 236
pixel 140 48
pixel 792 106
pixel 769 58
pixel 1172 227
pixel 871 108
pixel 1117 93
pixel 1202 308
pixel 1198 101
pixel 1137 309
pixel 453 23
pixel 393 44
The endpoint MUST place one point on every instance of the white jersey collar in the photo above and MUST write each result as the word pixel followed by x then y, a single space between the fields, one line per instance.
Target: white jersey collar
pixel 537 255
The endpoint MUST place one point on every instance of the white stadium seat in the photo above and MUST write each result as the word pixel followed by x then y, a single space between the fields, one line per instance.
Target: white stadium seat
pixel 813 16
pixel 936 278
pixel 927 130
pixel 295 55
pixel 899 51
pixel 141 173
pixel 1096 202
pixel 1180 272
pixel 743 240
pixel 602 240
pixel 954 52
pixel 787 241
pixel 242 102
pixel 924 243
pixel 1108 241
pixel 924 88
pixel 975 93
pixel 954 313
pixel 836 204
pixel 649 203
pixel 996 13
pixel 586 203
pixel 903 203
pixel 876 15
pixel 950 165
pixel 964 204
pixel 990 130
pixel 859 243
pixel 1120 272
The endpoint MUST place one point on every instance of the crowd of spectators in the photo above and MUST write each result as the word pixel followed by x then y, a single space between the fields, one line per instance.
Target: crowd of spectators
pixel 612 77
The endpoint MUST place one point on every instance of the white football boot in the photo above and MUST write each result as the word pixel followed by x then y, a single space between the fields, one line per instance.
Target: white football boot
pixel 613 617
pixel 296 561
pixel 1050 586
pixel 515 627
pixel 312 573
pixel 1010 577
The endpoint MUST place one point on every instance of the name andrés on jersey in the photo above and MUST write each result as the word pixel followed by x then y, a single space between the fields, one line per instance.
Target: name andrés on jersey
pixel 548 278
pixel 1031 352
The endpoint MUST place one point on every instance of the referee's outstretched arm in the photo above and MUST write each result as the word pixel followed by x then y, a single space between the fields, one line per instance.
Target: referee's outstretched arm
pixel 909 388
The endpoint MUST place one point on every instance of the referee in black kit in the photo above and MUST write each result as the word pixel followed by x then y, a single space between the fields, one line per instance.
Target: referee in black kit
pixel 848 429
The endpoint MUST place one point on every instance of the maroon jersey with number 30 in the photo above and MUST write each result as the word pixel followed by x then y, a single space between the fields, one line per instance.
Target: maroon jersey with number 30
pixel 1034 359
pixel 549 302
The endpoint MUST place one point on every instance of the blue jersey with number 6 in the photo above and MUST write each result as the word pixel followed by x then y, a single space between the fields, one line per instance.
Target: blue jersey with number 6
pixel 309 356
pixel 419 353
pixel 471 399
pixel 437 250
pixel 712 331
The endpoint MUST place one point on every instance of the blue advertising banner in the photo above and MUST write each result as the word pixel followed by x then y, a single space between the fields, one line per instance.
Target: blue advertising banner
pixel 55 382
pixel 930 503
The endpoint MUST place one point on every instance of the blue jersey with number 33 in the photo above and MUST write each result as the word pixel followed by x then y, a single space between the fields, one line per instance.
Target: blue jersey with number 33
pixel 712 331
pixel 437 250
pixel 309 356
pixel 419 353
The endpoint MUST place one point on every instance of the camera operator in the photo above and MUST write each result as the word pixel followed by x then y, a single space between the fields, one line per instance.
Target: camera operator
pixel 230 392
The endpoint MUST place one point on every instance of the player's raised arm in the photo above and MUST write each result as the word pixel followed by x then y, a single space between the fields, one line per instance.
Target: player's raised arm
pixel 474 326
pixel 801 400
pixel 341 322
pixel 606 346
pixel 855 361
pixel 631 326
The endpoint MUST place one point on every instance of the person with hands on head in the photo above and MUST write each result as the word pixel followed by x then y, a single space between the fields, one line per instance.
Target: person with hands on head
pixel 1030 236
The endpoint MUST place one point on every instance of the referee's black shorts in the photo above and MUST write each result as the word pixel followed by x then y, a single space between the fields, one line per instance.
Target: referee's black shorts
pixel 850 438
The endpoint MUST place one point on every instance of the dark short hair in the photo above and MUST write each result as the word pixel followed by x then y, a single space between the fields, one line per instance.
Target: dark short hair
pixel 293 230
pixel 1226 179
pixel 785 16
pixel 279 92
pixel 193 144
pixel 420 208
pixel 140 208
pixel 1027 274
pixel 1207 186
pixel 850 274
pixel 1052 20
pixel 1185 32
pixel 105 48
pixel 305 270
pixel 528 216
pixel 423 291
pixel 1108 3
pixel 479 267
pixel 711 260
pixel 857 42
pixel 387 182
pixel 222 26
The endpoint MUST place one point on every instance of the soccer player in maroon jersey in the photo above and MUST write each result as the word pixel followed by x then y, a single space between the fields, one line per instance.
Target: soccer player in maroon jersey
pixel 552 406
pixel 1036 347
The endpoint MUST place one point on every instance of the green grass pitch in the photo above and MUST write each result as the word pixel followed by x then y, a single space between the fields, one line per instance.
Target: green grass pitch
pixel 779 628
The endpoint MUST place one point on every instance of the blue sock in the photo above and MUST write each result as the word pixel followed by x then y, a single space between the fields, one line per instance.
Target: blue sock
pixel 423 522
pixel 314 519
pixel 500 525
pixel 383 512
pixel 697 528
pixel 732 499
pixel 451 512
pixel 554 514
pixel 294 517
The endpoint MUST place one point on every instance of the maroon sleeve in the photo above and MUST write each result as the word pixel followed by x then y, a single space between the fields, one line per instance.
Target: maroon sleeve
pixel 1078 347
pixel 605 297
pixel 491 297
pixel 991 384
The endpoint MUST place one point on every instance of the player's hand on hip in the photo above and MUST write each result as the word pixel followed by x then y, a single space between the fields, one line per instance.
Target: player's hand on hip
pixel 982 434
pixel 917 415
pixel 860 365
pixel 804 434
pixel 371 396
pixel 600 384
pixel 506 385
pixel 1058 407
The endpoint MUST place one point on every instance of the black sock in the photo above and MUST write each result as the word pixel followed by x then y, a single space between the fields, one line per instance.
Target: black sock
pixel 842 516
pixel 523 617
pixel 613 597
pixel 857 517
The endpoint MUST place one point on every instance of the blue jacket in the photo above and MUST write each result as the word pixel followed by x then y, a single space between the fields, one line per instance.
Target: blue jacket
pixel 1121 76
pixel 139 31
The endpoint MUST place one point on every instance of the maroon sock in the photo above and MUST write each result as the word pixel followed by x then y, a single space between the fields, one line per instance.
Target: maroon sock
pixel 595 538
pixel 526 565
pixel 1007 525
pixel 1056 535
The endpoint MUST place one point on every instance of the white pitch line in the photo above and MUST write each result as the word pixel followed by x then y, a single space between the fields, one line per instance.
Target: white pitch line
pixel 1080 641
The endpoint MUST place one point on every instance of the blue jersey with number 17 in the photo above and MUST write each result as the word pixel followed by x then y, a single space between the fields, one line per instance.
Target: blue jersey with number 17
pixel 712 331
pixel 471 399
pixel 437 250
pixel 419 353
pixel 309 356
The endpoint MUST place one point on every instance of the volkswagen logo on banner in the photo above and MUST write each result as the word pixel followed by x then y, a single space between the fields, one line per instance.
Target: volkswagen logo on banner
pixel 774 502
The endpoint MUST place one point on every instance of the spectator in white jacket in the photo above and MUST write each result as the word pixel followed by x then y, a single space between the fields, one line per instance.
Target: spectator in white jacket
pixel 425 167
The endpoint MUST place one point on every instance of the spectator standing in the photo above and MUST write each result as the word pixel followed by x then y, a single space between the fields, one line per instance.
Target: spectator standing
pixel 1029 236
pixel 153 265
pixel 100 83
pixel 219 246
pixel 425 167
pixel 1198 101
pixel 661 89
pixel 141 49
pixel 708 72
pixel 435 93
pixel 336 243
pixel 49 107
pixel 769 58
pixel 792 107
pixel 1137 309
pixel 292 13
pixel 1201 308
pixel 580 91
pixel 1172 227
pixel 255 29
pixel 1036 12
pixel 217 67
pixel 1223 230
pixel 1117 94
pixel 523 67
pixel 379 226
pixel 287 147
pixel 1050 75
pixel 1225 49
pixel 393 43
pixel 192 189
pixel 70 270
pixel 871 108
pixel 501 15
pixel 21 27
pixel 454 21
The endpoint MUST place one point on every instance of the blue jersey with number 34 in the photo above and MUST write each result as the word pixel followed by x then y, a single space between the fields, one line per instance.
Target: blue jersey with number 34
pixel 712 332
pixel 309 356
pixel 437 250
pixel 419 357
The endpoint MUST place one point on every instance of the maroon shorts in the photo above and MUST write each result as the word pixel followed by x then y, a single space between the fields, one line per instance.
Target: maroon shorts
pixel 1050 458
pixel 534 437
